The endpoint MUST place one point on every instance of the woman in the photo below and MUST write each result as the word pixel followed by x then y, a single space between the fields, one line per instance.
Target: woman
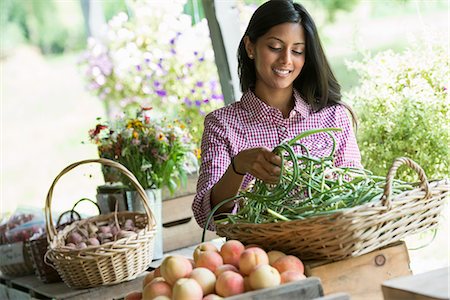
pixel 288 88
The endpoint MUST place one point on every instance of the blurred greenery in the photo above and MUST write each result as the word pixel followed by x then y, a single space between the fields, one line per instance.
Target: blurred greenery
pixel 39 23
pixel 402 104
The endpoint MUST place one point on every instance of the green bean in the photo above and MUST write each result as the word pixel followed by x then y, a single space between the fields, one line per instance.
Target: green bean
pixel 308 186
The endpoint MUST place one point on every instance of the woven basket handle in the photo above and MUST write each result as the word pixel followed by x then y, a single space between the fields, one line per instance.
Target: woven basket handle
pixel 51 231
pixel 386 199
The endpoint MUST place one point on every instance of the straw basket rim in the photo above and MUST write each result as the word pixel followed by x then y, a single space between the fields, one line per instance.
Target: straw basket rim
pixel 360 226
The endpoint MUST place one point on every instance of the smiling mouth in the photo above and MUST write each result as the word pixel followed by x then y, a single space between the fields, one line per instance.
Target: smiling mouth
pixel 282 72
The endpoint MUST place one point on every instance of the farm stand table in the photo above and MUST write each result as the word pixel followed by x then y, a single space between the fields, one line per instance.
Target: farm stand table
pixel 337 279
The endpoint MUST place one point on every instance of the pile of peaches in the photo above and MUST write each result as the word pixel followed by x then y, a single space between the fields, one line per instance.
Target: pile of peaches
pixel 215 274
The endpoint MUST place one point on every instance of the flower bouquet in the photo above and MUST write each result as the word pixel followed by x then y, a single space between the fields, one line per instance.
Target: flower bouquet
pixel 159 152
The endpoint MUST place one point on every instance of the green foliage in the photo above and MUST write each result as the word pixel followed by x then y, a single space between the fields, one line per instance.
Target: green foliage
pixel 403 106
pixel 40 24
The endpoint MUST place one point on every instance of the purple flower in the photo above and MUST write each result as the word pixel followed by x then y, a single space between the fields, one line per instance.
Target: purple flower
pixel 187 102
pixel 206 100
pixel 161 93
pixel 192 91
pixel 138 68
pixel 195 53
pixel 189 65
pixel 199 83
pixel 217 97
pixel 172 41
pixel 201 59
pixel 173 51
pixel 198 102
pixel 156 83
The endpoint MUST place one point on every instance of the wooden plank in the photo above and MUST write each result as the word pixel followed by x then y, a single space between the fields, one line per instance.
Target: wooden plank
pixel 179 226
pixel 309 288
pixel 3 291
pixel 362 276
pixel 337 296
pixel 426 286
pixel 177 209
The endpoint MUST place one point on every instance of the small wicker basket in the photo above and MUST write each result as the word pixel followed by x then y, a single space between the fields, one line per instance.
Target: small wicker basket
pixel 38 247
pixel 356 231
pixel 108 263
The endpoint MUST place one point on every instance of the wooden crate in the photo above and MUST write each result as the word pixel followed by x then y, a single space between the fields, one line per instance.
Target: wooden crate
pixel 179 226
pixel 309 288
pixel 425 286
pixel 362 276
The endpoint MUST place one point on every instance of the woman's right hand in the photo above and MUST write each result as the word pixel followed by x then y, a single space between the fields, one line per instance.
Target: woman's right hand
pixel 260 162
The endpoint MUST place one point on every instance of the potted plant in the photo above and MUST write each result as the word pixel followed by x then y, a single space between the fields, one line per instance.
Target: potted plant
pixel 158 151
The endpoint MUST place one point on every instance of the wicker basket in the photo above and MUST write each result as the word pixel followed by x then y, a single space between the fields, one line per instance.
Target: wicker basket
pixel 38 247
pixel 108 263
pixel 356 231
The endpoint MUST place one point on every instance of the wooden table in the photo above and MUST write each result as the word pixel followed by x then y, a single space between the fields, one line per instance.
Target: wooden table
pixel 30 287
pixel 426 286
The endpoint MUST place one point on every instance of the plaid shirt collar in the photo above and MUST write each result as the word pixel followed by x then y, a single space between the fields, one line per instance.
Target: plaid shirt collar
pixel 259 109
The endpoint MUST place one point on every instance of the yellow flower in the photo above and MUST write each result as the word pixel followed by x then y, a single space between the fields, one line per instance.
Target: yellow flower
pixel 137 124
pixel 161 136
pixel 197 152
pixel 135 134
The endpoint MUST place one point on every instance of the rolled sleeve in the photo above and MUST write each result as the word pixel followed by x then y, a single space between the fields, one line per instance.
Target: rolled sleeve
pixel 215 161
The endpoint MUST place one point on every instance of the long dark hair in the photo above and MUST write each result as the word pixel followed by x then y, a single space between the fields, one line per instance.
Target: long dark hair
pixel 316 82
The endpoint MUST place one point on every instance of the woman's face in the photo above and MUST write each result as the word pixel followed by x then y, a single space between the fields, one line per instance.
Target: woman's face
pixel 278 55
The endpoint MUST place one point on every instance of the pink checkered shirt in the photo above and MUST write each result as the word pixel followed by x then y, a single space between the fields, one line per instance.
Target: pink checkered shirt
pixel 252 123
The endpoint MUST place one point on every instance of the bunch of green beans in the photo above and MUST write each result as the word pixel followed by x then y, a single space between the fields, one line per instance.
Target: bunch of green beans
pixel 308 186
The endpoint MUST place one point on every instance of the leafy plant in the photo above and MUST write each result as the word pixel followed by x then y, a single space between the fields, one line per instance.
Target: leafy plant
pixel 159 152
pixel 402 102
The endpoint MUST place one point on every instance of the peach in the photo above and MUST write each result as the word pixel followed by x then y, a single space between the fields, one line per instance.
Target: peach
pixel 231 251
pixel 161 298
pixel 205 246
pixel 206 278
pixel 149 277
pixel 264 276
pixel 288 276
pixel 251 258
pixel 229 283
pixel 212 297
pixel 133 296
pixel 157 271
pixel 157 279
pixel 289 263
pixel 226 267
pixel 274 255
pixel 247 287
pixel 209 259
pixel 154 289
pixel 175 267
pixel 251 246
pixel 187 289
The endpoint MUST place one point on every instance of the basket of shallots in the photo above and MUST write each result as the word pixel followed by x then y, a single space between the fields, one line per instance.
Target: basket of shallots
pixel 39 244
pixel 105 249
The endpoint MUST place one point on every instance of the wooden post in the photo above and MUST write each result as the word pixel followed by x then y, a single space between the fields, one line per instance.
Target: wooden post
pixel 223 23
